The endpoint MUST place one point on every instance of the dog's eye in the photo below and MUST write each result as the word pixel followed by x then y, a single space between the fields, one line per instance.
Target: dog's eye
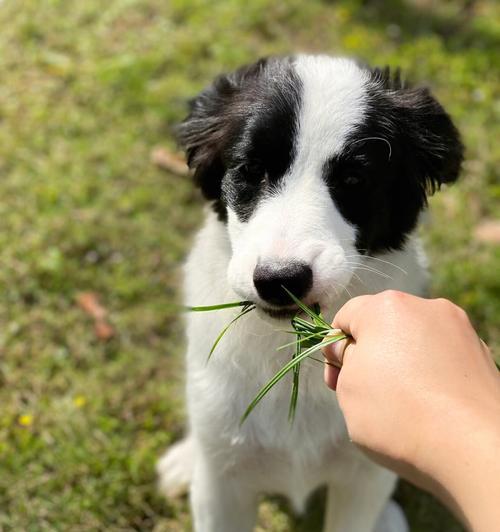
pixel 352 179
pixel 347 174
pixel 252 173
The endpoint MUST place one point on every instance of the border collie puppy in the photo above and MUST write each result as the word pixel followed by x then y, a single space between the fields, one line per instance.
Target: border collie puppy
pixel 317 169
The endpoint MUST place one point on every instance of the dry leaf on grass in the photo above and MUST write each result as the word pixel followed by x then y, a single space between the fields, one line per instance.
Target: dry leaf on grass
pixel 488 231
pixel 173 162
pixel 103 330
pixel 89 303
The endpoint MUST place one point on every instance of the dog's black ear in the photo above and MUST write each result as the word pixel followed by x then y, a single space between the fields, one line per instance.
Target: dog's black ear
pixel 214 115
pixel 436 148
pixel 430 143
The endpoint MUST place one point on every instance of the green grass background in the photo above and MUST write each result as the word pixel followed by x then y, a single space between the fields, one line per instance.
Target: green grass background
pixel 87 89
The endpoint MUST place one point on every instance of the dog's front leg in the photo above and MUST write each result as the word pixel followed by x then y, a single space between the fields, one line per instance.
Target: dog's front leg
pixel 221 501
pixel 354 504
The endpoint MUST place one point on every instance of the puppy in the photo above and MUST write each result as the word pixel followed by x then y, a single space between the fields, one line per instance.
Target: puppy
pixel 316 169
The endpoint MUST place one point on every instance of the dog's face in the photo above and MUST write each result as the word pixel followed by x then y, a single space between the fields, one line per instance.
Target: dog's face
pixel 312 162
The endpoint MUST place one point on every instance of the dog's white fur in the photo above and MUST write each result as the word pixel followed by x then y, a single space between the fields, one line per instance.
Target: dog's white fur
pixel 228 466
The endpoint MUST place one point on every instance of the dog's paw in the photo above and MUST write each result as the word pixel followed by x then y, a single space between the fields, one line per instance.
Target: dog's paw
pixel 392 519
pixel 175 468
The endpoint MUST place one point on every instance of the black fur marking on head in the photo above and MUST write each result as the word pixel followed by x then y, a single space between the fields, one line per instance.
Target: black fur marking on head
pixel 405 149
pixel 239 135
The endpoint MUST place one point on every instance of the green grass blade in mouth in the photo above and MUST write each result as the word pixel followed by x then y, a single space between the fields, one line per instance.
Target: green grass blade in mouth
pixel 246 309
pixel 303 340
pixel 316 317
pixel 222 306
pixel 295 384
pixel 285 369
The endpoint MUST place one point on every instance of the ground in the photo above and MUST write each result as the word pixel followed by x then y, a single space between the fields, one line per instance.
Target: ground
pixel 87 90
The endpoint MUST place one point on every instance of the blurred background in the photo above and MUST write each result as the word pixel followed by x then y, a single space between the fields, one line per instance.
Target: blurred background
pixel 96 215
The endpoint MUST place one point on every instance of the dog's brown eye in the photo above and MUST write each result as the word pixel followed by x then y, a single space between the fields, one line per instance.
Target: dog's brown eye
pixel 352 179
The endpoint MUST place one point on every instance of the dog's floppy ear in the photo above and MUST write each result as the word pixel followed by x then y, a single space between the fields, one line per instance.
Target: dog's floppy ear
pixel 430 144
pixel 214 115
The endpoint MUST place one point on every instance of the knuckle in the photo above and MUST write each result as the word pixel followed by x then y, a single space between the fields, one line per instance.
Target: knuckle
pixel 392 298
pixel 452 309
pixel 394 295
pixel 443 302
pixel 441 306
pixel 461 314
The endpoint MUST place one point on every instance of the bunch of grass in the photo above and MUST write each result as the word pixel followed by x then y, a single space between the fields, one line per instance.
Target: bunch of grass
pixel 311 335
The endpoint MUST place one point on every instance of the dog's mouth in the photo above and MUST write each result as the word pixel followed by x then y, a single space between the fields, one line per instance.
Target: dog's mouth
pixel 281 313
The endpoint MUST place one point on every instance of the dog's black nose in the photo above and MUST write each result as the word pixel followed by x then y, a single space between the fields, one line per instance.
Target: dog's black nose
pixel 269 279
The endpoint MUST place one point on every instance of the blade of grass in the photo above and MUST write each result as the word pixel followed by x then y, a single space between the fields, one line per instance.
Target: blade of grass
pixel 302 340
pixel 285 369
pixel 315 317
pixel 295 384
pixel 322 362
pixel 218 307
pixel 302 326
pixel 297 321
pixel 299 303
pixel 245 310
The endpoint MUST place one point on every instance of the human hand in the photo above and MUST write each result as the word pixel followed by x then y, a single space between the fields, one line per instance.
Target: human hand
pixel 418 388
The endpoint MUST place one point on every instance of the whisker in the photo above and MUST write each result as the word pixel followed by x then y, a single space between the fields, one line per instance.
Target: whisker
pixel 375 282
pixel 363 267
pixel 345 288
pixel 358 278
pixel 371 270
pixel 377 138
pixel 337 294
pixel 381 260
pixel 402 270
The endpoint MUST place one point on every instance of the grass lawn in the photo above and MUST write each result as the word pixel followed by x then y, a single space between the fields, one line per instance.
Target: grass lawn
pixel 87 90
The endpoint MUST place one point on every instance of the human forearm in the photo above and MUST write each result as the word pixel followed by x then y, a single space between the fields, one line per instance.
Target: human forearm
pixel 463 469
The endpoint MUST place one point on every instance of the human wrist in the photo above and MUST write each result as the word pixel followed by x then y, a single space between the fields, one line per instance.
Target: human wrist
pixel 462 469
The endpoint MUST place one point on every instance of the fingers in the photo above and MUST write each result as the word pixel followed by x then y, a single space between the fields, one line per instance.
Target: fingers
pixel 345 318
pixel 334 353
pixel 351 319
pixel 331 376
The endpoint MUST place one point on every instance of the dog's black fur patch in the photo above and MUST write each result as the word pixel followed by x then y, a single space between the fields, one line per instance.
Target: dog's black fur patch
pixel 405 149
pixel 239 136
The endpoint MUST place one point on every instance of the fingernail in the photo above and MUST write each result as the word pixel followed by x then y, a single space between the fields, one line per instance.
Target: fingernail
pixel 333 352
pixel 336 349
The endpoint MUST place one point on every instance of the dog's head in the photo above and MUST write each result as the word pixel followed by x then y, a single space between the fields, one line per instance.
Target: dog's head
pixel 312 161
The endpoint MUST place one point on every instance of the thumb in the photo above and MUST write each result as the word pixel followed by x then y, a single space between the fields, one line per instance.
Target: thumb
pixel 334 353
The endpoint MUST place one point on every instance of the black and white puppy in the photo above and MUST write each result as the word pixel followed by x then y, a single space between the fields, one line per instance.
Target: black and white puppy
pixel 317 169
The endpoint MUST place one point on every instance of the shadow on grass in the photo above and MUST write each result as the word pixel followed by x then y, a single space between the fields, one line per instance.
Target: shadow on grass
pixel 424 513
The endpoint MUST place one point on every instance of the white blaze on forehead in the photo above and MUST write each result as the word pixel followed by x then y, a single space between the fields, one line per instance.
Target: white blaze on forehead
pixel 299 220
pixel 333 102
